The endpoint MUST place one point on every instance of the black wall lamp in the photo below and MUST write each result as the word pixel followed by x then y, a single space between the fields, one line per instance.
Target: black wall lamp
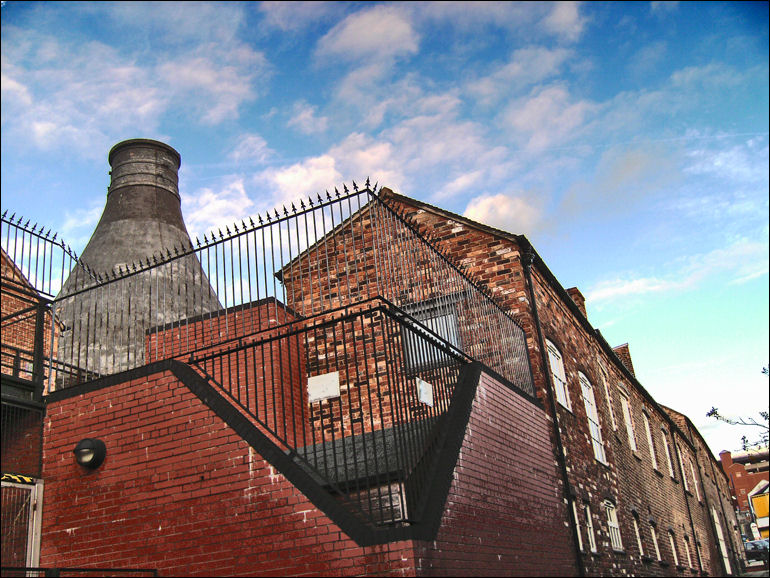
pixel 90 453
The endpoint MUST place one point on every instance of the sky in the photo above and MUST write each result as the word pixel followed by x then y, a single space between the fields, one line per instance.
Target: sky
pixel 628 142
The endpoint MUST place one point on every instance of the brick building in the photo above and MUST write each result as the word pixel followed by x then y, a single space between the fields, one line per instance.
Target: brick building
pixel 748 474
pixel 387 388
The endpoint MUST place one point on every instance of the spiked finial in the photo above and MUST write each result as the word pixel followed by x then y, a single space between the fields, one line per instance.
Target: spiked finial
pixel 345 188
pixel 355 186
pixel 367 182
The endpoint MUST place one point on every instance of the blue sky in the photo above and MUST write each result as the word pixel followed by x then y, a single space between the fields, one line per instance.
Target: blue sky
pixel 628 141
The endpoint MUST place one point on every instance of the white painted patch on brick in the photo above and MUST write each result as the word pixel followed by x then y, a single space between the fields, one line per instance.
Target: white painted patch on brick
pixel 325 386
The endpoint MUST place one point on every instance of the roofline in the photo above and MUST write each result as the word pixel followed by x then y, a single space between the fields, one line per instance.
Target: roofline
pixel 525 244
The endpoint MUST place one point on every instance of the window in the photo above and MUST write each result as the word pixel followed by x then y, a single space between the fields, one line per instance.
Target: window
pixel 667 449
pixel 687 552
pixel 650 442
pixel 441 319
pixel 721 541
pixel 606 386
pixel 613 526
pixel 684 472
pixel 577 525
pixel 559 377
pixel 635 521
pixel 695 481
pixel 672 543
pixel 590 528
pixel 593 418
pixel 697 547
pixel 654 535
pixel 629 422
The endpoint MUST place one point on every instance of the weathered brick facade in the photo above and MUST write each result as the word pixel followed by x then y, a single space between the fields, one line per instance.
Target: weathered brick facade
pixel 589 476
pixel 677 507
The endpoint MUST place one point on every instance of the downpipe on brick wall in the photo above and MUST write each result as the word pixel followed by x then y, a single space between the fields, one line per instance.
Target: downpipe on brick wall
pixel 527 259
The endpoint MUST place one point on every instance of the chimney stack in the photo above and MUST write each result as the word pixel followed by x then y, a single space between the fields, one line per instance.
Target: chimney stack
pixel 105 328
pixel 579 300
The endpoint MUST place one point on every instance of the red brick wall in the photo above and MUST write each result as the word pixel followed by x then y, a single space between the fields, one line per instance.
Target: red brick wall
pixel 504 514
pixel 181 492
pixel 629 480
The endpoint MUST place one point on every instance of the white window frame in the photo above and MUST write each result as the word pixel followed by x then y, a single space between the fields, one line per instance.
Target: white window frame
pixel 672 543
pixel 638 535
pixel 613 526
pixel 654 535
pixel 721 541
pixel 695 481
pixel 577 526
pixel 556 361
pixel 590 528
pixel 684 472
pixel 605 384
pixel 667 448
pixel 650 441
pixel 687 552
pixel 625 405
pixel 594 426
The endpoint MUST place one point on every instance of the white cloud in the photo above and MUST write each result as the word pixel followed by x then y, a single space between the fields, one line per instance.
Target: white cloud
pixel 549 117
pixel 741 261
pixel 215 87
pixel 745 162
pixel 305 120
pixel 527 20
pixel 459 184
pixel 515 214
pixel 298 181
pixel 295 16
pixel 526 67
pixel 251 148
pixel 360 156
pixel 376 34
pixel 209 209
pixel 85 95
pixel 565 20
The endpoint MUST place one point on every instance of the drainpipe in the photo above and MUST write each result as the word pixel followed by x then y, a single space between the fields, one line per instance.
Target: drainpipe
pixel 527 259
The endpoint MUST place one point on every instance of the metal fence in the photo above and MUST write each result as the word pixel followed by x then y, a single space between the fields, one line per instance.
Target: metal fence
pixel 325 255
pixel 333 326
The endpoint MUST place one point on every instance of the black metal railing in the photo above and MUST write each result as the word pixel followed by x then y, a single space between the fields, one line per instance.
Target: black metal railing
pixel 329 253
pixel 339 332
pixel 356 398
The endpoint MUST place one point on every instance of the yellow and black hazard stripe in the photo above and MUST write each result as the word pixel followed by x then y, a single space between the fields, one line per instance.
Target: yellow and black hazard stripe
pixel 18 479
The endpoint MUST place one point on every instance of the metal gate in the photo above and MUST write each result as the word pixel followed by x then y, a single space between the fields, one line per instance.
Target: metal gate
pixel 21 520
